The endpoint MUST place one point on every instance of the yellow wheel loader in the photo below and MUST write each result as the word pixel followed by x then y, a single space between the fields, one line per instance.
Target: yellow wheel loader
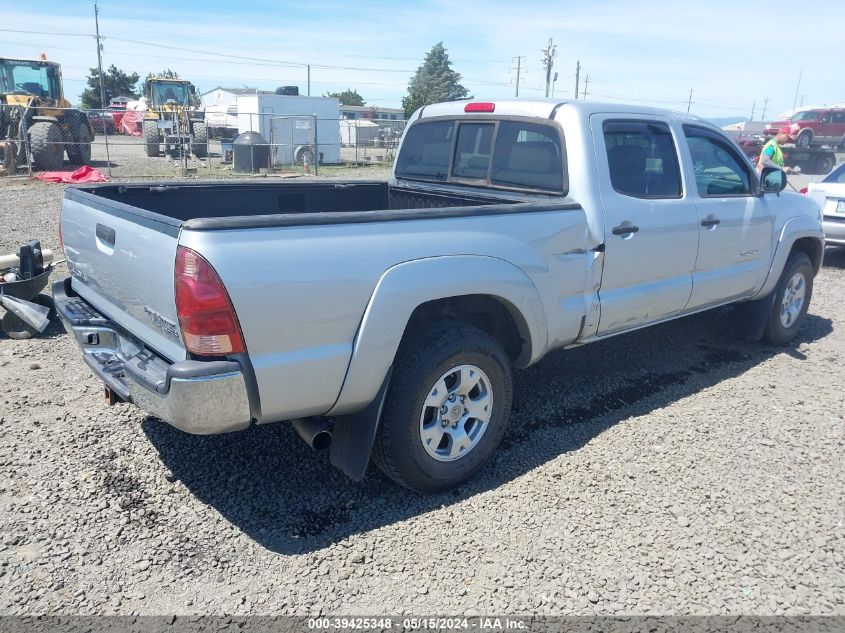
pixel 171 121
pixel 35 113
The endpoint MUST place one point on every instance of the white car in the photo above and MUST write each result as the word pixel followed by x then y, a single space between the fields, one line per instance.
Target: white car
pixel 829 194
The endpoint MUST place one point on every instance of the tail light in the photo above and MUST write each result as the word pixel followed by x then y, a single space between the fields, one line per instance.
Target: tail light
pixel 803 190
pixel 206 316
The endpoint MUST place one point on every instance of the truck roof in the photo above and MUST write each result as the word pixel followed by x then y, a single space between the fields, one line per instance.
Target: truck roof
pixel 545 107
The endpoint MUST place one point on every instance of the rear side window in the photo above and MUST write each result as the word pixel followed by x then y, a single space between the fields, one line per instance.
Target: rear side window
pixel 510 154
pixel 425 151
pixel 528 155
pixel 719 170
pixel 642 159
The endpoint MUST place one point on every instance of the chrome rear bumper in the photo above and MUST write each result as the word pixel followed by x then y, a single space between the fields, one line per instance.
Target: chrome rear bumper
pixel 202 397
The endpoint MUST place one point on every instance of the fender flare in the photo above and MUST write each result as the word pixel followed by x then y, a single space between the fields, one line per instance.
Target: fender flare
pixel 406 286
pixel 793 230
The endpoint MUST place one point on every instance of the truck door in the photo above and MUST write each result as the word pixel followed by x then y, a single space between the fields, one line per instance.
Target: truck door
pixel 735 224
pixel 838 128
pixel 650 228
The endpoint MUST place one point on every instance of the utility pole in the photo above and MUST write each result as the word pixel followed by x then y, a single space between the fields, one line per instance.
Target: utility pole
pixel 586 83
pixel 518 69
pixel 577 76
pixel 753 106
pixel 99 55
pixel 802 101
pixel 689 103
pixel 549 54
pixel 309 80
pixel 554 81
pixel 765 105
pixel 797 86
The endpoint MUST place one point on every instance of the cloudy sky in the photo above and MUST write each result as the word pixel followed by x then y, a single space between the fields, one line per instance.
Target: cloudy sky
pixel 730 54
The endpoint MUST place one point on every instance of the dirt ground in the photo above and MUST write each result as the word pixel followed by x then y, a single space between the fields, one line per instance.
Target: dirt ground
pixel 674 470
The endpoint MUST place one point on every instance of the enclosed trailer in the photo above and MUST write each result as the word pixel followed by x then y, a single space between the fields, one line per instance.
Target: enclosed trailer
pixel 297 127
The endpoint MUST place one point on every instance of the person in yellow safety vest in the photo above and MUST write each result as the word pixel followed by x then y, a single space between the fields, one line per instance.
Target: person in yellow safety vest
pixel 772 156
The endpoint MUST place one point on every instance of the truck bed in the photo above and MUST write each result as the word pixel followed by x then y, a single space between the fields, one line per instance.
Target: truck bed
pixel 244 205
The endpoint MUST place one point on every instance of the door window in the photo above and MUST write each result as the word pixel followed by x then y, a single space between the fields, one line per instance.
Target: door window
pixel 839 117
pixel 719 171
pixel 642 159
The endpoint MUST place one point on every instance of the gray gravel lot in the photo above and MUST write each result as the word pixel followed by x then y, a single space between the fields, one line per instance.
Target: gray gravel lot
pixel 674 470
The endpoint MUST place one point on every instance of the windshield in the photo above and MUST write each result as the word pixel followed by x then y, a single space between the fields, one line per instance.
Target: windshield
pixel 35 78
pixel 806 116
pixel 166 91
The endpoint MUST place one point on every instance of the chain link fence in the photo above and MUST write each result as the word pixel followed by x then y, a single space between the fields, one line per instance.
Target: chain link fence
pixel 128 144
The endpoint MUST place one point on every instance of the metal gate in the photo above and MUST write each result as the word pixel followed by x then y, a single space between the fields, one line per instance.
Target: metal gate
pixel 293 140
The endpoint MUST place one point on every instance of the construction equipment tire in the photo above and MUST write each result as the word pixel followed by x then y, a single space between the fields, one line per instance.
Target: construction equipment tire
pixel 47 146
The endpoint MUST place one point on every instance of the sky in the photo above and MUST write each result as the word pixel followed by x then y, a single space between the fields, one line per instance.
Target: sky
pixel 733 56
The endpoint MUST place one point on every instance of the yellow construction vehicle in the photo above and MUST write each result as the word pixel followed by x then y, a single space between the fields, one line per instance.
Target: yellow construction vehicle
pixel 35 113
pixel 172 121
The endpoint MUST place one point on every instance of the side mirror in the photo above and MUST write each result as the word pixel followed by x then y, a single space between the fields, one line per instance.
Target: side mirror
pixel 773 180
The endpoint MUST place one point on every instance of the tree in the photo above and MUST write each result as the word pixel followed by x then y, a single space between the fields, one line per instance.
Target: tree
pixel 434 82
pixel 348 97
pixel 116 82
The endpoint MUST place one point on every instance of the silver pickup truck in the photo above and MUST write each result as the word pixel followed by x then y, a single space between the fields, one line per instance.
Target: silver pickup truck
pixel 383 318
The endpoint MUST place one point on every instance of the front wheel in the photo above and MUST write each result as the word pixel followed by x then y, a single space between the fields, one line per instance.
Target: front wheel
pixel 152 138
pixel 792 298
pixel 446 409
pixel 803 140
pixel 200 142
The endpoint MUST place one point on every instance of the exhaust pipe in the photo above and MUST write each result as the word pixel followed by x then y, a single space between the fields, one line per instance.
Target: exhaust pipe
pixel 313 432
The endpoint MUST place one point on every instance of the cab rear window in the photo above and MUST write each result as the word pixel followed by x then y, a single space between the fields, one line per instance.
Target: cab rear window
pixel 510 154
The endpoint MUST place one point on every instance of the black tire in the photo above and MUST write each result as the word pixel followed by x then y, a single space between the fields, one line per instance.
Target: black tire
pixel 47 146
pixel 8 158
pixel 804 140
pixel 824 164
pixel 776 332
pixel 79 151
pixel 421 360
pixel 200 141
pixel 47 302
pixel 152 138
pixel 17 328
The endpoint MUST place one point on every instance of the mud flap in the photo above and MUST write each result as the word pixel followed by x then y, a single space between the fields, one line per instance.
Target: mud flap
pixel 751 317
pixel 354 434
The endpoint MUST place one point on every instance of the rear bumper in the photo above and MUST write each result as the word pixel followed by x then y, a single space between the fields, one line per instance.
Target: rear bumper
pixel 834 230
pixel 202 397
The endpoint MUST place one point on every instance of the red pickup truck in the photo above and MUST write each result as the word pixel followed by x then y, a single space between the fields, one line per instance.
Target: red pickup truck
pixel 821 126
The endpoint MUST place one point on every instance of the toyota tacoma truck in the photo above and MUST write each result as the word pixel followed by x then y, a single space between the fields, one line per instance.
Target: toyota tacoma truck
pixel 383 319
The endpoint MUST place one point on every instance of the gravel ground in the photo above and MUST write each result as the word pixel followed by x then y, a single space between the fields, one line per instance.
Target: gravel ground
pixel 670 471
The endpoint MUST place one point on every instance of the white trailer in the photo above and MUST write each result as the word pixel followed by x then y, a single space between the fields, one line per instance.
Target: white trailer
pixel 297 127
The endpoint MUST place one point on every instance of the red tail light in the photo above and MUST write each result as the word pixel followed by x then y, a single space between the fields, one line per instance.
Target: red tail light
pixel 480 106
pixel 206 316
pixel 803 190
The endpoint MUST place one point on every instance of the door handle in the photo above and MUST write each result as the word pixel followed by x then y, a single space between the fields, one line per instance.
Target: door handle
pixel 625 229
pixel 710 221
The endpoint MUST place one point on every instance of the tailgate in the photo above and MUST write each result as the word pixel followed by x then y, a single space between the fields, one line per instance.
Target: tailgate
pixel 122 260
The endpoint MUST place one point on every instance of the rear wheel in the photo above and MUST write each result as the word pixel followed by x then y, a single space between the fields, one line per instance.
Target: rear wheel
pixel 792 298
pixel 47 146
pixel 17 328
pixel 824 164
pixel 152 138
pixel 79 151
pixel 446 409
pixel 305 156
pixel 200 142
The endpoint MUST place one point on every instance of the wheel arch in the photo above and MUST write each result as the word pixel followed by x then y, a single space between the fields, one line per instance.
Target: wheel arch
pixel 487 292
pixel 804 234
